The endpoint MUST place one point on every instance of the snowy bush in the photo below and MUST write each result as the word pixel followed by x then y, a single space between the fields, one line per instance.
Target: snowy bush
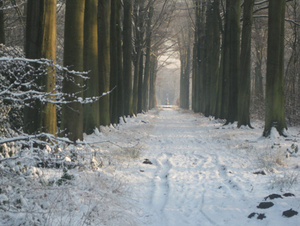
pixel 11 112
pixel 270 157
pixel 285 181
pixel 77 192
pixel 44 179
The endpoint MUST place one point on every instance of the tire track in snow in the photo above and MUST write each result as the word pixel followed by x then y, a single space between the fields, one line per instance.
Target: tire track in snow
pixel 161 186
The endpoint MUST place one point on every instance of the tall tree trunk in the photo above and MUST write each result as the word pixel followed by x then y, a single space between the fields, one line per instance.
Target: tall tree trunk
pixel 258 85
pixel 147 60
pixel 139 33
pixel 72 113
pixel 219 101
pixel 153 73
pixel 140 86
pixel 231 64
pixel 91 111
pixel 245 72
pixel 120 83
pixel 114 63
pixel 104 17
pixel 213 53
pixel 202 82
pixel 41 43
pixel 197 79
pixel 185 74
pixel 127 57
pixel 182 74
pixel 275 116
pixel 2 31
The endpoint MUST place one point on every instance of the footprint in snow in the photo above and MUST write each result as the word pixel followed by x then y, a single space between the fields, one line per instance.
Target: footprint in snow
pixel 147 161
pixel 289 213
pixel 273 196
pixel 265 205
pixel 288 195
pixel 260 216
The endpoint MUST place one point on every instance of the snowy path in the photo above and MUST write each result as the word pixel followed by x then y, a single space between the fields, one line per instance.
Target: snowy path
pixel 201 174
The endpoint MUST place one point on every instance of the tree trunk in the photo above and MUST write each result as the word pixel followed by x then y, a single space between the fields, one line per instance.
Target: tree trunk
pixel 140 86
pixel 120 83
pixel 2 31
pixel 104 10
pixel 127 58
pixel 213 47
pixel 202 80
pixel 41 43
pixel 258 85
pixel 147 61
pixel 245 72
pixel 114 63
pixel 91 111
pixel 153 73
pixel 197 79
pixel 231 64
pixel 185 53
pixel 275 116
pixel 219 101
pixel 72 114
pixel 138 7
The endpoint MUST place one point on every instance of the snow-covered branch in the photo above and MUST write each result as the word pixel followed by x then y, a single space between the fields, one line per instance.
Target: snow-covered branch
pixel 22 86
pixel 46 62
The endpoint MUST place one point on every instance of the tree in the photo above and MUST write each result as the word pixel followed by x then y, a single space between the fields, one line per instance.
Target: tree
pixel 245 72
pixel 2 31
pixel 138 39
pixel 91 110
pixel 147 60
pixel 140 80
pixel 153 75
pixel 41 43
pixel 127 57
pixel 291 78
pixel 72 113
pixel 212 45
pixel 231 61
pixel 198 56
pixel 114 62
pixel 120 82
pixel 274 115
pixel 184 42
pixel 104 10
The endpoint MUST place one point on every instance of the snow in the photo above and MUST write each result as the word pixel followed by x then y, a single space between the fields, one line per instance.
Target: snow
pixel 198 172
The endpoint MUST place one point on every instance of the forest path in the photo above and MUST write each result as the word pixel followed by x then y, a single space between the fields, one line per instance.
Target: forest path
pixel 188 178
pixel 201 172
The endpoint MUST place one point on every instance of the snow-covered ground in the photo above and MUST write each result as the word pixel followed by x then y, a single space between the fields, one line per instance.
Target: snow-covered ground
pixel 171 167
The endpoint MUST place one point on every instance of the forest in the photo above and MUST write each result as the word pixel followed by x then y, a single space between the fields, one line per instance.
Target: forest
pixel 74 69
pixel 89 64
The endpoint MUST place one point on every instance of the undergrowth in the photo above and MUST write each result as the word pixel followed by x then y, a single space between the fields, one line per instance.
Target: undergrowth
pixel 78 189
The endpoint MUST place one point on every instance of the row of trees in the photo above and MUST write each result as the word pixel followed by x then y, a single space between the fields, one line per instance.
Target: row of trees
pixel 116 42
pixel 222 51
